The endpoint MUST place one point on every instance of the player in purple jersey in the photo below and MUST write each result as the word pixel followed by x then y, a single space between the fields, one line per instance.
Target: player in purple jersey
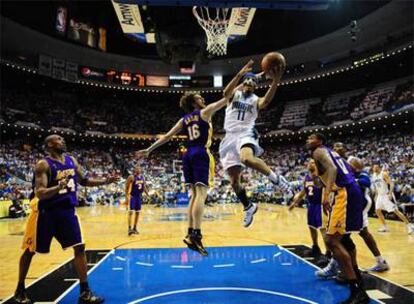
pixel 198 163
pixel 134 187
pixel 53 214
pixel 313 196
pixel 342 201
pixel 364 182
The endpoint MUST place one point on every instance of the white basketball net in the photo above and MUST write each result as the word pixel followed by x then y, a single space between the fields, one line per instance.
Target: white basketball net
pixel 214 22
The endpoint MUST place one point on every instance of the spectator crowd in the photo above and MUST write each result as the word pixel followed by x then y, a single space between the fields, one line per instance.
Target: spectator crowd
pixel 163 174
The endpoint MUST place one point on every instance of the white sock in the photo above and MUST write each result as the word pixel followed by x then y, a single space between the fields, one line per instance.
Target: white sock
pixel 380 259
pixel 273 177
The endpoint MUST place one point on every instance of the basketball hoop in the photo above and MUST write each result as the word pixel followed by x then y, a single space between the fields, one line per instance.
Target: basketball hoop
pixel 214 22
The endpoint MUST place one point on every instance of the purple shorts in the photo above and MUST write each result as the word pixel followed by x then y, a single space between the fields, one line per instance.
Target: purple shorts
pixel 135 203
pixel 315 215
pixel 198 166
pixel 347 206
pixel 63 224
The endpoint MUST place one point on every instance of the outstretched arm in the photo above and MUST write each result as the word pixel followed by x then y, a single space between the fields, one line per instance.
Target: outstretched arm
pixel 92 182
pixel 298 197
pixel 229 89
pixel 276 75
pixel 228 92
pixel 163 139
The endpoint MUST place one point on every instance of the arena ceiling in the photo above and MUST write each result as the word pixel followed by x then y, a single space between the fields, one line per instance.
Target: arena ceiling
pixel 271 29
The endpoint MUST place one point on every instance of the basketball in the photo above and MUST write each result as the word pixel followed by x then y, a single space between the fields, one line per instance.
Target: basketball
pixel 272 60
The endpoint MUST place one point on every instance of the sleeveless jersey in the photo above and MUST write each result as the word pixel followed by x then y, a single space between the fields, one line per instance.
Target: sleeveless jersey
pixel 344 175
pixel 381 187
pixel 66 197
pixel 313 193
pixel 241 114
pixel 198 130
pixel 137 186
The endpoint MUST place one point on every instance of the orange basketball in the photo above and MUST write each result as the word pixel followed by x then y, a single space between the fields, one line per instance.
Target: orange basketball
pixel 272 60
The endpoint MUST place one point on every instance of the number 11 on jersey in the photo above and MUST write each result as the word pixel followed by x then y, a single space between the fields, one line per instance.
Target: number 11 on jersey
pixel 241 114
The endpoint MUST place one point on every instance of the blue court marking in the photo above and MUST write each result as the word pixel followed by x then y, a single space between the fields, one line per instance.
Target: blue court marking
pixel 248 274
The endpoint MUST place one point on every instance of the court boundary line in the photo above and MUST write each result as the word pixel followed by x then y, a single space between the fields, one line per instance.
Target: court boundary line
pixel 389 281
pixel 369 273
pixel 159 295
pixel 314 266
pixel 40 278
pixel 88 273
pixel 299 257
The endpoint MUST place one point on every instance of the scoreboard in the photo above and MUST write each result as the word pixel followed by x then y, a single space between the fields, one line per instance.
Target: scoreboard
pixel 136 79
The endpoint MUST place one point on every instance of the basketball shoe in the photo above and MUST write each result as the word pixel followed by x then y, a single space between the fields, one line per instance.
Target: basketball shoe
pixel 379 267
pixel 249 215
pixel 329 271
pixel 21 297
pixel 87 297
pixel 196 240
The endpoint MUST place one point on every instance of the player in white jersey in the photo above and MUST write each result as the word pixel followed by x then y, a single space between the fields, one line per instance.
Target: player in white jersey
pixel 240 147
pixel 383 187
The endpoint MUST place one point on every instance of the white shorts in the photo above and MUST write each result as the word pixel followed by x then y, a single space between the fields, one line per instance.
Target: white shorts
pixel 365 211
pixel 232 143
pixel 383 202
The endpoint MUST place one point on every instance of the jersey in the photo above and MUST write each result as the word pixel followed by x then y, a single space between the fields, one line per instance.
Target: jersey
pixel 138 185
pixel 198 130
pixel 363 180
pixel 313 193
pixel 381 187
pixel 344 174
pixel 57 171
pixel 242 113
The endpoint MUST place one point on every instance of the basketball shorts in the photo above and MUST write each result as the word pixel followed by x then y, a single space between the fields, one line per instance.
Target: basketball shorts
pixel 43 225
pixel 315 216
pixel 232 143
pixel 383 202
pixel 198 167
pixel 345 215
pixel 135 203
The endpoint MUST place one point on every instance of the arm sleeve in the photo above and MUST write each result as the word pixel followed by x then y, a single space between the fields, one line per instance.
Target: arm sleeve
pixel 364 180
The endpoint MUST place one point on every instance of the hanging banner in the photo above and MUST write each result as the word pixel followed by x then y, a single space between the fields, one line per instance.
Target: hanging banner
pixel 129 17
pixel 240 20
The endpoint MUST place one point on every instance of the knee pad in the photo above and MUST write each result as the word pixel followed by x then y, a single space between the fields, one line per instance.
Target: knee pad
pixel 348 243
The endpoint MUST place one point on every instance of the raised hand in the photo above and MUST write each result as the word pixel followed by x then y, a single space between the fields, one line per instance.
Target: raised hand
pixel 276 73
pixel 112 179
pixel 247 68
